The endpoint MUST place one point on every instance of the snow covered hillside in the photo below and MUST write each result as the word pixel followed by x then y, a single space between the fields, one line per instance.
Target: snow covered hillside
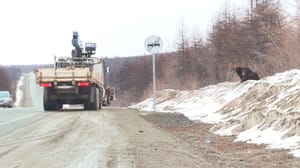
pixel 263 112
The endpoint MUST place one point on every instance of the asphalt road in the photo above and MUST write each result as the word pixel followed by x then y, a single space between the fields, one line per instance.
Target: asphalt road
pixel 12 119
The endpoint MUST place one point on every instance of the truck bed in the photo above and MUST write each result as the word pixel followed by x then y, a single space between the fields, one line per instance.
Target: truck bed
pixel 62 74
pixel 68 74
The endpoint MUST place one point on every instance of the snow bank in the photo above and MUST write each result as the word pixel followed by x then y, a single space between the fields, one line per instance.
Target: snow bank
pixel 263 112
pixel 202 104
pixel 19 92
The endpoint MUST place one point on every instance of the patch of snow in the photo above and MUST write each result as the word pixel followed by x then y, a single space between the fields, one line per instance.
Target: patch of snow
pixel 266 136
pixel 295 152
pixel 19 92
pixel 226 131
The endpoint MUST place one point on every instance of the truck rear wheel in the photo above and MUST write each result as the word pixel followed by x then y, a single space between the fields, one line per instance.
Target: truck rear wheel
pixel 49 105
pixel 93 102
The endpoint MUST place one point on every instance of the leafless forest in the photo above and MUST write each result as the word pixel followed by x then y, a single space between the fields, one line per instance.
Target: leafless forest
pixel 264 38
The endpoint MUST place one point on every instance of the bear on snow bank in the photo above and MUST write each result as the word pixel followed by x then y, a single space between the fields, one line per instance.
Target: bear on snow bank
pixel 246 74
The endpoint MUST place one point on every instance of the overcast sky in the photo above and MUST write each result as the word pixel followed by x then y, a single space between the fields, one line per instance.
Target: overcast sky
pixel 33 31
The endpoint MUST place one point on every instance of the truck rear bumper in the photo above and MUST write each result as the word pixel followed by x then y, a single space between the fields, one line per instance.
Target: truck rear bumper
pixel 69 95
pixel 69 98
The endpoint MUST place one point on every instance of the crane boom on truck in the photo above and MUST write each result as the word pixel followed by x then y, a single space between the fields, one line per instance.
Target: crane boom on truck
pixel 73 80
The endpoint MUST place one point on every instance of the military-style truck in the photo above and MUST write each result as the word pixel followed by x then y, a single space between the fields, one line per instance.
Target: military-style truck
pixel 73 80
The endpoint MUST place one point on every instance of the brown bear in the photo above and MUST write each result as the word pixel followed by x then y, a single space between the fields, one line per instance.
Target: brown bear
pixel 246 74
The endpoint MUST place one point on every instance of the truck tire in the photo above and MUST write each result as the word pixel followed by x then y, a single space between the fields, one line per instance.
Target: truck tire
pixel 48 104
pixel 95 104
pixel 93 101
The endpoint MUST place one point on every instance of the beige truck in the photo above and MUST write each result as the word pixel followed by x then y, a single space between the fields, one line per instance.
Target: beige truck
pixel 73 80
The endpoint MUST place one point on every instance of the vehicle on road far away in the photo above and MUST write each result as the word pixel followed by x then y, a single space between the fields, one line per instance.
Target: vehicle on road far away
pixel 5 99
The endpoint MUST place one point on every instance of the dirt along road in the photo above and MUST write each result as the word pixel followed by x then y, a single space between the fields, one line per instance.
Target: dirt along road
pixel 108 138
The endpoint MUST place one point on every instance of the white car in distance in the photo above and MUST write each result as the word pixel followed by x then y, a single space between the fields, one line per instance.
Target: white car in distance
pixel 6 99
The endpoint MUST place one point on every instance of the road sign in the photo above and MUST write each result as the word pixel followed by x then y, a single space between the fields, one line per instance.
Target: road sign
pixel 153 44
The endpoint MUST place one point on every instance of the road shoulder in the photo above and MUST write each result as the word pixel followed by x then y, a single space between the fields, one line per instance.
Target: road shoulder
pixel 218 150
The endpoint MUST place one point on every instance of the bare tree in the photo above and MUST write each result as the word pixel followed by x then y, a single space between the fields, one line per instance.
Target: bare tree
pixel 183 49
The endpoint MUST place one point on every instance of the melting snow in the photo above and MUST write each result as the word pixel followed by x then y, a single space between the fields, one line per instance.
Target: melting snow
pixel 19 92
pixel 263 112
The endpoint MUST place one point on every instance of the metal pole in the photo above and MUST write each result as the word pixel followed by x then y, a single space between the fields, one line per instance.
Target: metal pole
pixel 154 83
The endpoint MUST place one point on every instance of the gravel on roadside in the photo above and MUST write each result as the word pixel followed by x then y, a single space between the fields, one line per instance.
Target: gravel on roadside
pixel 168 120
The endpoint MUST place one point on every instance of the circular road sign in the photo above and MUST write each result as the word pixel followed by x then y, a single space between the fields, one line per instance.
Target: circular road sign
pixel 153 44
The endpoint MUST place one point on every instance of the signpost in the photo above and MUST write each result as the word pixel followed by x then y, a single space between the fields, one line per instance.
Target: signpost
pixel 153 45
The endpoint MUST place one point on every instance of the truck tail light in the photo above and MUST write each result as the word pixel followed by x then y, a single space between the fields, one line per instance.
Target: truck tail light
pixel 83 84
pixel 45 85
